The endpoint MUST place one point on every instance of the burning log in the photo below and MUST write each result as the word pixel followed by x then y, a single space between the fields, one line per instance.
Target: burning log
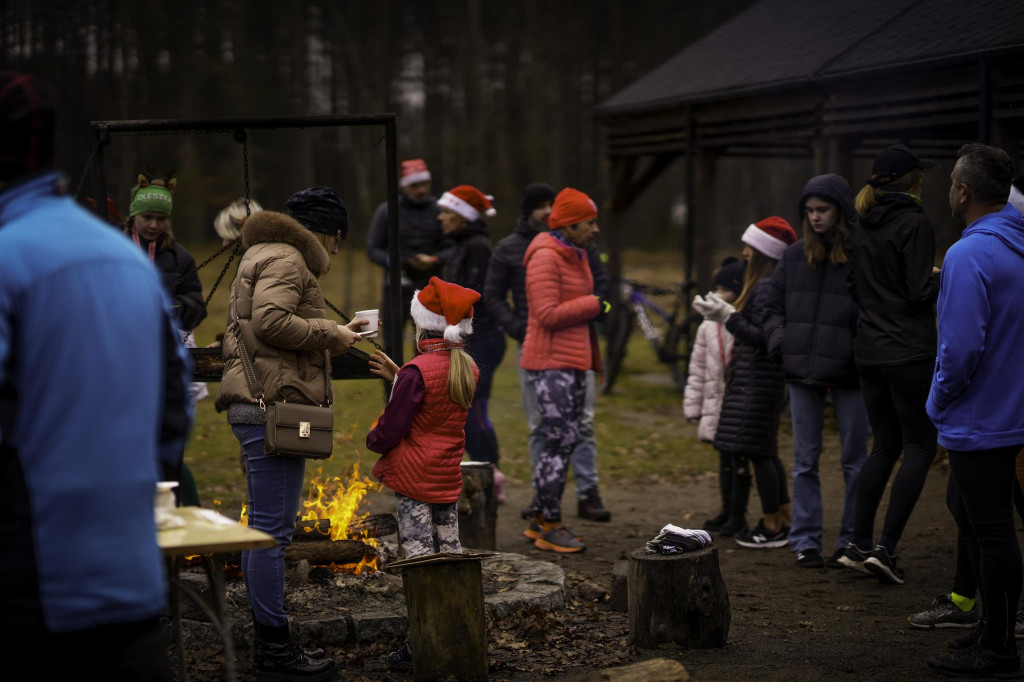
pixel 373 526
pixel 336 552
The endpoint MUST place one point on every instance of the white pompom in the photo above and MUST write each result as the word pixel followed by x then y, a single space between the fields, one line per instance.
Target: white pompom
pixel 452 334
pixel 490 212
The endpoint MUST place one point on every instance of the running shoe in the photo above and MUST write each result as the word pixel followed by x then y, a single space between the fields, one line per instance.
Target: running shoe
pixel 762 538
pixel 944 613
pixel 884 566
pixel 854 557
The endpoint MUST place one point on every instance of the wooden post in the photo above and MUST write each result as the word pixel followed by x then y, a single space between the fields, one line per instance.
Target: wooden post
pixel 678 599
pixel 447 627
pixel 478 507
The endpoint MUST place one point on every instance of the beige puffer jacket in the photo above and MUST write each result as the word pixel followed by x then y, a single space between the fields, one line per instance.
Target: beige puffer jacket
pixel 281 314
pixel 705 384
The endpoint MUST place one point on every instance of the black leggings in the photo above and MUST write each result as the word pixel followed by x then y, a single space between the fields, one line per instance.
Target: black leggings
pixel 895 398
pixel 980 497
pixel 771 482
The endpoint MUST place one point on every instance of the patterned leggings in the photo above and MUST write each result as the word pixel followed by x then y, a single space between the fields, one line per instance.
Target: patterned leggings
pixel 425 528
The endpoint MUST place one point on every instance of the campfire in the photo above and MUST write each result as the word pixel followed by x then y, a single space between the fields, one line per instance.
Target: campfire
pixel 331 532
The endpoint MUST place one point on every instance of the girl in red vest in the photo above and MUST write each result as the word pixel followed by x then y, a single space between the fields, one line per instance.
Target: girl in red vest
pixel 421 435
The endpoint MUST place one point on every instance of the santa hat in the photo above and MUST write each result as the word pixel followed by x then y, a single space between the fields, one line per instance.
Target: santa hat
pixel 444 307
pixel 468 202
pixel 770 236
pixel 413 171
pixel 570 208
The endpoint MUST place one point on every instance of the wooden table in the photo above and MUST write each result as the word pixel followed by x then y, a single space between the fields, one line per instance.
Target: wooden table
pixel 212 536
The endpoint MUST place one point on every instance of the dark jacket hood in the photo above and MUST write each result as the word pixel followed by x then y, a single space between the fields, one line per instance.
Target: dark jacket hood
pixel 474 228
pixel 523 227
pixel 1006 225
pixel 834 188
pixel 890 205
pixel 274 227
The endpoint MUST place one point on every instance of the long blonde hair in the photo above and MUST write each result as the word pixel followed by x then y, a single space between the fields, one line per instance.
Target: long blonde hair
pixel 814 249
pixel 879 185
pixel 759 267
pixel 461 382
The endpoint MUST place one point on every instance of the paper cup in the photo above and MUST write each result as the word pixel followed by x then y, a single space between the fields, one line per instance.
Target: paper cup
pixel 374 322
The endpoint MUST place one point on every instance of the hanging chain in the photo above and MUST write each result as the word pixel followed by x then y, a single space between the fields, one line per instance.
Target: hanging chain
pixel 242 137
pixel 85 171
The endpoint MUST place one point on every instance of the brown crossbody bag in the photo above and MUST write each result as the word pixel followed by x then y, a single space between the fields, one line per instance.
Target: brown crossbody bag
pixel 293 429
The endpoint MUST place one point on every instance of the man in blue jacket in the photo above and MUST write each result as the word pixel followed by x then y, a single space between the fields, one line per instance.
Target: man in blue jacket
pixel 93 385
pixel 977 399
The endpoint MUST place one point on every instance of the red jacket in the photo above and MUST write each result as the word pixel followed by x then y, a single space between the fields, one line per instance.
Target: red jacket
pixel 425 465
pixel 560 295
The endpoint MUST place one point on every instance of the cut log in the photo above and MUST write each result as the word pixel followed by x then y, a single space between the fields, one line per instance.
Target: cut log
pixel 678 599
pixel 654 670
pixel 373 526
pixel 478 507
pixel 323 553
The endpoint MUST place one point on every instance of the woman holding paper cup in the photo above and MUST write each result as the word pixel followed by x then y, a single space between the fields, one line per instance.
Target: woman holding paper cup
pixel 281 320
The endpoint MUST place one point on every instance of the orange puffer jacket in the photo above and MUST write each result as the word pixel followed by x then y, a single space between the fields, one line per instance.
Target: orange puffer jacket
pixel 560 294
pixel 425 465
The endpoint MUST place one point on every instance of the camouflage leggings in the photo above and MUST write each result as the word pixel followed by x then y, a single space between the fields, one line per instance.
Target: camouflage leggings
pixel 425 528
pixel 561 396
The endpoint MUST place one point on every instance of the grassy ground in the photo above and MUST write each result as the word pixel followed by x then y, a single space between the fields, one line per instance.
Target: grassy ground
pixel 640 429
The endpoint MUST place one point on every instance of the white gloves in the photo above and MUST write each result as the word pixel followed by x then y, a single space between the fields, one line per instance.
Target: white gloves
pixel 713 307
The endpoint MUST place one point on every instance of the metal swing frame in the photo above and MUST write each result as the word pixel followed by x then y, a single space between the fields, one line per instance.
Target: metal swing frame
pixel 351 365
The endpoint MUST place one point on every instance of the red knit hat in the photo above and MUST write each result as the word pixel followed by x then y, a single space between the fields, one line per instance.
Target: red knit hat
pixel 413 171
pixel 571 206
pixel 444 307
pixel 770 236
pixel 468 202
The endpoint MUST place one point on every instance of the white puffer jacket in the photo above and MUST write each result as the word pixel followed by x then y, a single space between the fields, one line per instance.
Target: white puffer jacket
pixel 705 385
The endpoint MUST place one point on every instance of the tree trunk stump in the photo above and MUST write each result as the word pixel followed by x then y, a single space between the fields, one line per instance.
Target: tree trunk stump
pixel 678 599
pixel 447 625
pixel 478 507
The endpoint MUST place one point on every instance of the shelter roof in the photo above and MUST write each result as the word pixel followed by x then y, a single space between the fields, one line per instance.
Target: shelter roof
pixel 779 44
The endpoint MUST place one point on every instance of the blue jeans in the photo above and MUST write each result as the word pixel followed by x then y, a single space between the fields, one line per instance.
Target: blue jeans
pixel 481 440
pixel 807 405
pixel 275 489
pixel 584 454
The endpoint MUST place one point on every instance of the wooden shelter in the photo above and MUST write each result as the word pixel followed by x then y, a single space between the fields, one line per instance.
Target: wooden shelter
pixel 829 81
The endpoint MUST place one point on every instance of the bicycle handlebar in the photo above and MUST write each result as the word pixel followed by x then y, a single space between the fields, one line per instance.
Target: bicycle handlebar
pixel 656 290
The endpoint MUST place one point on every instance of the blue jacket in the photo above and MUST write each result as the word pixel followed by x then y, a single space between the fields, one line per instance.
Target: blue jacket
pixel 977 394
pixel 92 390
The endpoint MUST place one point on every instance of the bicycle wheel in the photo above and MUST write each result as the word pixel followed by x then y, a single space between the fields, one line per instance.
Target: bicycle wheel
pixel 679 346
pixel 618 326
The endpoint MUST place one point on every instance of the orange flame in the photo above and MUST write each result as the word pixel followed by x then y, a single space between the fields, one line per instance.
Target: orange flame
pixel 338 501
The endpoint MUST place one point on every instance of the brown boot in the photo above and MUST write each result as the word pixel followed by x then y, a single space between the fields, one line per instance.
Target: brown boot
pixel 591 509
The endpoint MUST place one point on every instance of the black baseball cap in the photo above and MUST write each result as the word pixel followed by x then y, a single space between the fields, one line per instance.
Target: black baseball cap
pixel 897 160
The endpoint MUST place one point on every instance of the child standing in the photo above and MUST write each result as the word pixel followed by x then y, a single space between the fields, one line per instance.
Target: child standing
pixel 421 435
pixel 749 423
pixel 702 400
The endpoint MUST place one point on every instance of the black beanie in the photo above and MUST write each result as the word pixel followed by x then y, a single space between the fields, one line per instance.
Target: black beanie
pixel 534 195
pixel 27 125
pixel 320 209
pixel 730 275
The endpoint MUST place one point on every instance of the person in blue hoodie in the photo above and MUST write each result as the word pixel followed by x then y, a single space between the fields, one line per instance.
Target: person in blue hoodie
pixel 93 397
pixel 976 400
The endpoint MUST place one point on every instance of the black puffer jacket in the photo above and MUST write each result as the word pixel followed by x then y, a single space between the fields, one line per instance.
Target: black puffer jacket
pixel 468 268
pixel 181 280
pixel 893 285
pixel 810 320
pixel 749 422
pixel 507 273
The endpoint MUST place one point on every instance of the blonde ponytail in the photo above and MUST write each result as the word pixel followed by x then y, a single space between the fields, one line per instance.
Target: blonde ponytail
pixel 461 382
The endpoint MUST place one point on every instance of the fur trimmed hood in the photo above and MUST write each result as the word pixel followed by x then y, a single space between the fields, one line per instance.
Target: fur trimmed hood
pixel 274 227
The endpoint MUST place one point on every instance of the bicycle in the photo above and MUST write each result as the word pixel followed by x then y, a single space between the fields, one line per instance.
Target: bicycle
pixel 672 342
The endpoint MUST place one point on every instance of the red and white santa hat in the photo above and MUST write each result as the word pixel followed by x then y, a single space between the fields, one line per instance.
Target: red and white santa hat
pixel 770 236
pixel 413 171
pixel 468 202
pixel 444 307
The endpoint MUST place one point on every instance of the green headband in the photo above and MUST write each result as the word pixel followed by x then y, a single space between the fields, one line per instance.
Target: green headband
pixel 151 199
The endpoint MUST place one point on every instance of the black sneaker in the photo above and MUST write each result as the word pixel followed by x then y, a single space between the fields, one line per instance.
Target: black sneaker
pixel 734 526
pixel 978 662
pixel 809 558
pixel 964 642
pixel 762 538
pixel 854 557
pixel 400 658
pixel 944 613
pixel 884 566
pixel 714 525
pixel 833 561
